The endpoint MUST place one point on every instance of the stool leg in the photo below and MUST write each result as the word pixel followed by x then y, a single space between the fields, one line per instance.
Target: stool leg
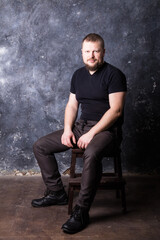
pixel 123 196
pixel 73 164
pixel 117 193
pixel 70 199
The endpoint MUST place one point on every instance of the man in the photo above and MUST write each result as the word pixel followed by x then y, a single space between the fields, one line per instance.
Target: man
pixel 100 89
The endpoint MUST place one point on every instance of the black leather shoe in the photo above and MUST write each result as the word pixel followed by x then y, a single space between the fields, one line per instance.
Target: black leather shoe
pixel 51 198
pixel 78 221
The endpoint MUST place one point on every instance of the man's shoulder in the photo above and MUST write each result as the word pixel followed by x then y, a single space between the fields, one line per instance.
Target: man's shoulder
pixel 79 74
pixel 112 69
pixel 80 70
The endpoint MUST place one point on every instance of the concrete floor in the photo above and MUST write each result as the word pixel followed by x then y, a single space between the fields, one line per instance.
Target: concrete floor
pixel 20 221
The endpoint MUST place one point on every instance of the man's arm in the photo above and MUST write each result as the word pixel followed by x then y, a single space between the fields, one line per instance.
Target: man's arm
pixel 116 101
pixel 69 119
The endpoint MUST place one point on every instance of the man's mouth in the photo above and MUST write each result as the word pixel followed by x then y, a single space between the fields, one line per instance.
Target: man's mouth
pixel 91 60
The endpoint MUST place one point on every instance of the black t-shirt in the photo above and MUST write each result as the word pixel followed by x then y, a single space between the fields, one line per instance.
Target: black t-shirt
pixel 92 90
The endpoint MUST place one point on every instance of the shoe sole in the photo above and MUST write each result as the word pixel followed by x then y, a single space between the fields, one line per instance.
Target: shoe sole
pixel 73 232
pixel 65 230
pixel 38 206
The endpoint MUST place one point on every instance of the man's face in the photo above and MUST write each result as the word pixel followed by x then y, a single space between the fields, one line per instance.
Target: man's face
pixel 92 54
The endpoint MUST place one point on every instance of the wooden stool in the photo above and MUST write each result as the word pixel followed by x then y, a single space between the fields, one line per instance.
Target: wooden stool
pixel 109 180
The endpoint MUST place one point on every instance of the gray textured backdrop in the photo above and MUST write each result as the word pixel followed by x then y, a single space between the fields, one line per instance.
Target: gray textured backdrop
pixel 40 48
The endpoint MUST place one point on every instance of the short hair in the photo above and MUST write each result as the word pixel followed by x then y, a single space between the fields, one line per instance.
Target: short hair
pixel 93 37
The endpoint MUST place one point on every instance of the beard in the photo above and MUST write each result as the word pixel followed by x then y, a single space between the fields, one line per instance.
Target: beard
pixel 96 66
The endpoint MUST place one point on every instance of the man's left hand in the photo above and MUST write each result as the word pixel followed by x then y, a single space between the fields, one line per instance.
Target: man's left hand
pixel 84 140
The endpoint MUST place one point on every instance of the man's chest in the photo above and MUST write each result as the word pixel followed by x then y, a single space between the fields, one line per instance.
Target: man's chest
pixel 91 88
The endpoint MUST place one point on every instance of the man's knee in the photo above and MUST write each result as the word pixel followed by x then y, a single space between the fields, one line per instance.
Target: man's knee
pixel 90 157
pixel 38 145
pixel 93 151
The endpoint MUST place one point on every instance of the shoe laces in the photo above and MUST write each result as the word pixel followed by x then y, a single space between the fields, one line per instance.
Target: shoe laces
pixel 47 192
pixel 77 213
pixel 58 193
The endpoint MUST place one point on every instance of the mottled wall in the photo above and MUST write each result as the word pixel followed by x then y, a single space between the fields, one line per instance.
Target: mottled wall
pixel 40 47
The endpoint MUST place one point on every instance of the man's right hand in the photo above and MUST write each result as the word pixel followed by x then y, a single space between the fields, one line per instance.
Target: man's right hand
pixel 67 139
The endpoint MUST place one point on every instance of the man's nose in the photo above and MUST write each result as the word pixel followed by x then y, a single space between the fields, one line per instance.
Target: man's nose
pixel 92 54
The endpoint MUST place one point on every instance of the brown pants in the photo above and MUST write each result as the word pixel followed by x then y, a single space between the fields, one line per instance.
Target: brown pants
pixel 46 146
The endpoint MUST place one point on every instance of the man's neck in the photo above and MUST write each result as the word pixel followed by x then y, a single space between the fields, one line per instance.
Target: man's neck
pixel 93 71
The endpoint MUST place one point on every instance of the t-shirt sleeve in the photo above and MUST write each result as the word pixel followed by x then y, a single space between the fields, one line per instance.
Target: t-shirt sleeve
pixel 117 82
pixel 73 83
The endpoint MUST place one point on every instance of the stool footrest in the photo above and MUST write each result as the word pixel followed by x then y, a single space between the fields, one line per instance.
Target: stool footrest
pixel 105 181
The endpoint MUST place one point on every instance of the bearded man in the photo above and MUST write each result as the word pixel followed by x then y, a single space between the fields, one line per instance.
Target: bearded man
pixel 99 88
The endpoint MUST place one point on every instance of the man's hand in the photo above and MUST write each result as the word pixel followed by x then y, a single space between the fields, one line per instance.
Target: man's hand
pixel 84 140
pixel 67 138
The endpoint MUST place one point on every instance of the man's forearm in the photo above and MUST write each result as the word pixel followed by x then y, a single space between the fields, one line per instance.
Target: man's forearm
pixel 107 120
pixel 70 117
